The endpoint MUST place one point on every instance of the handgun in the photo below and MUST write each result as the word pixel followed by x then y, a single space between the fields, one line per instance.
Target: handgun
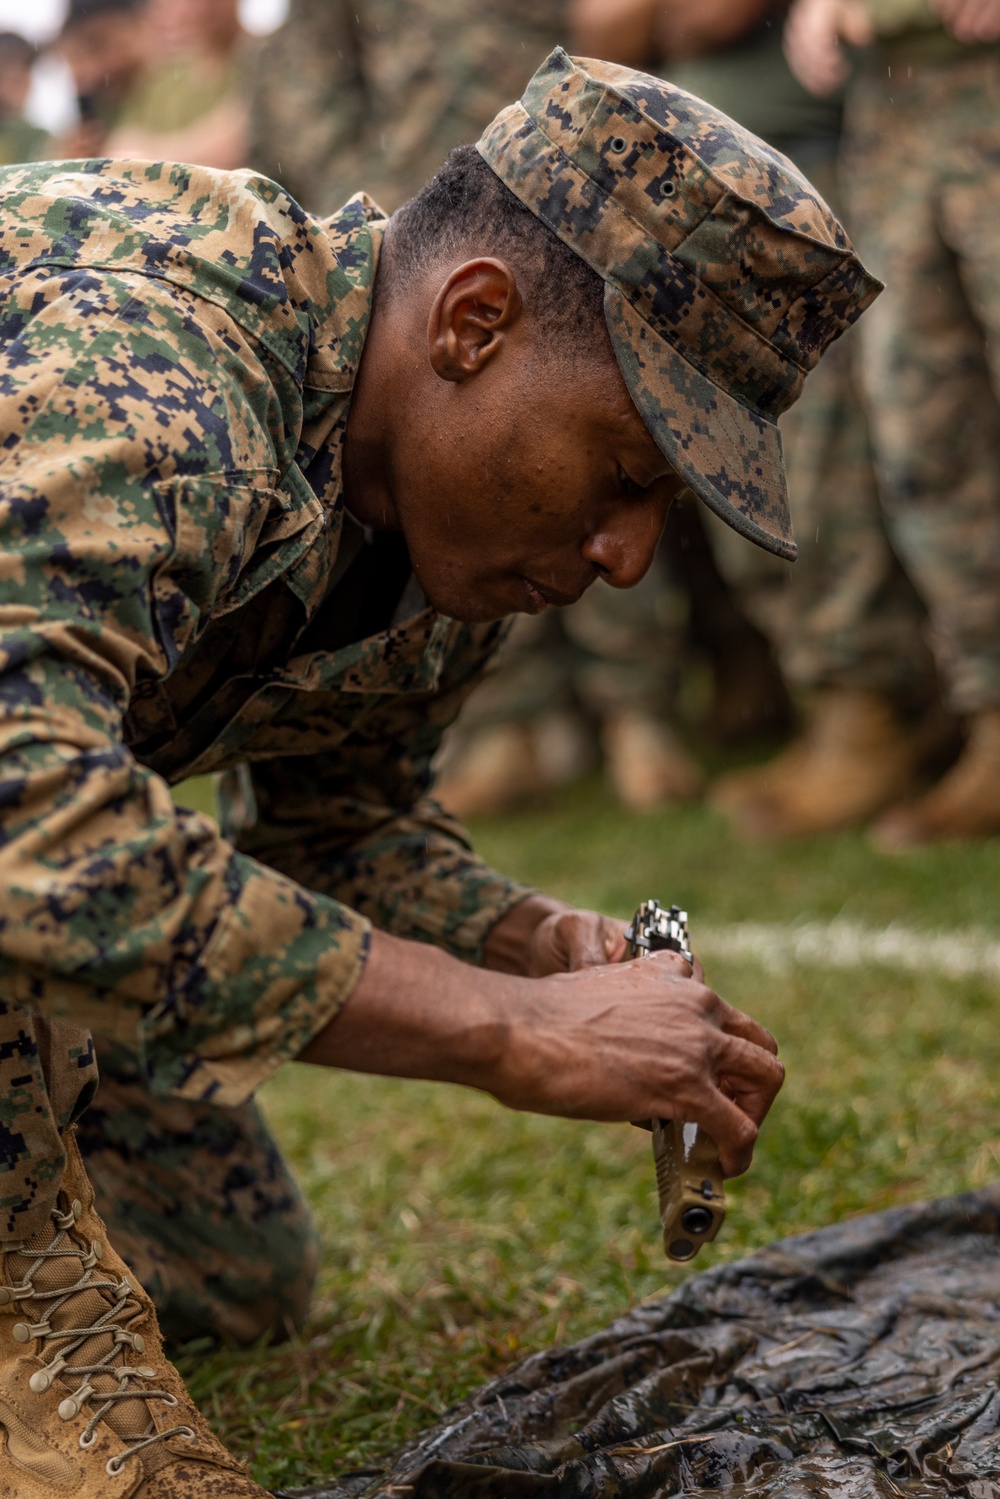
pixel 688 1172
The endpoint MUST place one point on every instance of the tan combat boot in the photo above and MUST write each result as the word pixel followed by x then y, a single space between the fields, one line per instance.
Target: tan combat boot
pixel 646 763
pixel 964 804
pixel 90 1408
pixel 855 758
pixel 504 765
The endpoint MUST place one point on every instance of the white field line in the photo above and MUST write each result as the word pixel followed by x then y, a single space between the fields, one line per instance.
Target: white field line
pixel 840 943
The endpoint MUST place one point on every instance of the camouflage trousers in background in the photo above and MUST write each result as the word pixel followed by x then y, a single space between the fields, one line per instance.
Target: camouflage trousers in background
pixel 615 649
pixel 844 614
pixel 196 1197
pixel 922 181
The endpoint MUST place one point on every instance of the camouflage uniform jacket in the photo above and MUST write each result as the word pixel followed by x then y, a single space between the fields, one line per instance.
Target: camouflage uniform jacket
pixel 177 357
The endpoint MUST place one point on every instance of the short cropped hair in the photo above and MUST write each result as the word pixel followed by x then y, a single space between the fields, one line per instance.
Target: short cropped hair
pixel 466 210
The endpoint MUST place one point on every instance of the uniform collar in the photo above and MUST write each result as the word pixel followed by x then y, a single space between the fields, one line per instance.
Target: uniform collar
pixel 342 293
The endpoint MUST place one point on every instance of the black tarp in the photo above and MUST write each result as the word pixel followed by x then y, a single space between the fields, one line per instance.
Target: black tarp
pixel 860 1360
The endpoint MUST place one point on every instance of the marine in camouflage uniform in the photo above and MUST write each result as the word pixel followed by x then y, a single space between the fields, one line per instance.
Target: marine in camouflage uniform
pixel 184 591
pixel 372 94
pixel 922 176
pixel 174 517
pixel 918 555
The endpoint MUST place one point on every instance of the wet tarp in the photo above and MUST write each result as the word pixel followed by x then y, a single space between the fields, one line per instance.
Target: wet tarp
pixel 860 1360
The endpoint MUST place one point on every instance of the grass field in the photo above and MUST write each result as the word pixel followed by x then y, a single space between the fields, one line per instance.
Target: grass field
pixel 459 1237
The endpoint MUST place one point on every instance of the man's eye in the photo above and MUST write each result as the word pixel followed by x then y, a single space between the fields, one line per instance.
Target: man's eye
pixel 627 485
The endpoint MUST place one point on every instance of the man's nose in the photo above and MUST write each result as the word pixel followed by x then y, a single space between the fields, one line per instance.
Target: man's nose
pixel 623 548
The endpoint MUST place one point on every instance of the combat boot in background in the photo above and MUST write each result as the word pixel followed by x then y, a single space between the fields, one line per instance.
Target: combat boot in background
pixel 90 1407
pixel 646 763
pixel 856 757
pixel 965 803
pixel 500 766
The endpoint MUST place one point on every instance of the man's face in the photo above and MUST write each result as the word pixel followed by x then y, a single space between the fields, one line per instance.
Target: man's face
pixel 104 53
pixel 520 476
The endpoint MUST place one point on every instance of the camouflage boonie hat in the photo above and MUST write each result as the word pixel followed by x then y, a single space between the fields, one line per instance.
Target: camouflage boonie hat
pixel 726 274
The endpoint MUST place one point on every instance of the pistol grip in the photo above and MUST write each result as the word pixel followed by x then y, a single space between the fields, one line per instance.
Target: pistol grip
pixel 690 1185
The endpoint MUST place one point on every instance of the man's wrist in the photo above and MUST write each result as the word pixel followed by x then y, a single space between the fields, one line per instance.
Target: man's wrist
pixel 508 943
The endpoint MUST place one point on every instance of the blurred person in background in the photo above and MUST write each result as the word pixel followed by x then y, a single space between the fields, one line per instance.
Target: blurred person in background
pixel 594 685
pixel 19 140
pixel 103 43
pixel 922 187
pixel 187 102
pixel 372 94
pixel 845 619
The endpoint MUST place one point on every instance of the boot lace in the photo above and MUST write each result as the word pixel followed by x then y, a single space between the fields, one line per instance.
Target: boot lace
pixel 64 1341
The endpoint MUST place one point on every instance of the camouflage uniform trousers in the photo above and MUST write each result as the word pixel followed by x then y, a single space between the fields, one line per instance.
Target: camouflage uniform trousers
pixel 196 1196
pixel 922 178
pixel 202 1207
pixel 844 614
pixel 612 651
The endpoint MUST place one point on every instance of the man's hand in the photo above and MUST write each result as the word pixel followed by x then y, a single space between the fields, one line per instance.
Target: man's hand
pixel 814 33
pixel 642 1040
pixel 540 936
pixel 816 29
pixel 618 1041
pixel 971 20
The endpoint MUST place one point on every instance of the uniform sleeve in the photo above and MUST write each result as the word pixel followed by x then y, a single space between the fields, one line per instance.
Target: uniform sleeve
pixel 119 912
pixel 361 825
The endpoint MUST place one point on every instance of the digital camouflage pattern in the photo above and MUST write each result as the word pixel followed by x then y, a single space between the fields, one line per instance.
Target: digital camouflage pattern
pixel 181 594
pixel 200 1204
pixel 373 94
pixel 846 615
pixel 923 190
pixel 726 275
pixel 178 351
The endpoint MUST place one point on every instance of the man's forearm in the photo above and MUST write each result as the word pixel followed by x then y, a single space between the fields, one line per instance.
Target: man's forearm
pixel 417 1012
pixel 697 28
pixel 615 1042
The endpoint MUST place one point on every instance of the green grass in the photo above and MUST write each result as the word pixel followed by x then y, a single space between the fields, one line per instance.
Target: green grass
pixel 459 1237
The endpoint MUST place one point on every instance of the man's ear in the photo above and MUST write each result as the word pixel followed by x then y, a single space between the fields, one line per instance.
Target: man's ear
pixel 472 314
